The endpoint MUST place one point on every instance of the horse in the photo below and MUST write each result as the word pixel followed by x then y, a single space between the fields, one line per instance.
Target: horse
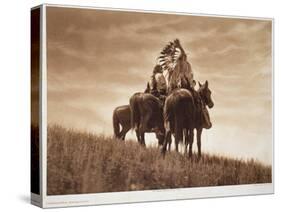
pixel 185 111
pixel 179 111
pixel 121 117
pixel 180 90
pixel 180 75
pixel 147 116
pixel 202 118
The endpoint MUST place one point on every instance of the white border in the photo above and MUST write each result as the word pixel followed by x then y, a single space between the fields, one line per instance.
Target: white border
pixel 156 195
pixel 157 12
pixel 54 201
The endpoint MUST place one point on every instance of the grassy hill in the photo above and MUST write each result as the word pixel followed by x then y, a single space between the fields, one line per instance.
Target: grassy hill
pixel 80 162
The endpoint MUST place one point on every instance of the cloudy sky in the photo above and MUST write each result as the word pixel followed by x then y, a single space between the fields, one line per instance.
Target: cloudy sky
pixel 98 59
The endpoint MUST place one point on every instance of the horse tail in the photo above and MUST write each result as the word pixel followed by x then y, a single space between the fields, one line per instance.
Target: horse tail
pixel 116 126
pixel 135 113
pixel 178 125
pixel 168 111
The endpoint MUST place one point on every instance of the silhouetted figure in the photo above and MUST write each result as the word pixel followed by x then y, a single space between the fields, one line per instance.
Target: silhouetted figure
pixel 157 84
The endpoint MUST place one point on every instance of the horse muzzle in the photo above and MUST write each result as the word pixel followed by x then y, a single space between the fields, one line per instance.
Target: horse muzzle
pixel 211 105
pixel 208 125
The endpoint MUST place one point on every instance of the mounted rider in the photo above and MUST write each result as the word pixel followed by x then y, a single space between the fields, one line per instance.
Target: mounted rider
pixel 180 74
pixel 157 84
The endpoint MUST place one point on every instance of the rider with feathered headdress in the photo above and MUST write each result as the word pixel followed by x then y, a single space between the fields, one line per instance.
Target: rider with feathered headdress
pixel 174 59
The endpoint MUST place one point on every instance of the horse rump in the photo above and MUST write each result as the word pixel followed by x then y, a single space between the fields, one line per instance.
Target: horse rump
pixel 115 121
pixel 178 115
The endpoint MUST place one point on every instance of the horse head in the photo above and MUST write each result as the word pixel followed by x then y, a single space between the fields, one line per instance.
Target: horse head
pixel 205 94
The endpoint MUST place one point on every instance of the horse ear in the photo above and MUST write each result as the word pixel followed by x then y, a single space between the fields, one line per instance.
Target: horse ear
pixel 206 83
pixel 193 83
pixel 200 85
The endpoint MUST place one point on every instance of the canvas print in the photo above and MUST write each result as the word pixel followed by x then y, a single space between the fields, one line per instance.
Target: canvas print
pixel 146 101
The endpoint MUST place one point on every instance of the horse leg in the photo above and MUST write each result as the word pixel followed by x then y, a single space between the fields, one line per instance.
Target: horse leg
pixel 167 139
pixel 177 139
pixel 177 145
pixel 178 136
pixel 142 141
pixel 138 135
pixel 191 135
pixel 122 135
pixel 170 141
pixel 140 132
pixel 124 132
pixel 186 140
pixel 144 126
pixel 198 135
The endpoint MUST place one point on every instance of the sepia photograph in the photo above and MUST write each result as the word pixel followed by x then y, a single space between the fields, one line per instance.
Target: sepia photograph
pixel 148 101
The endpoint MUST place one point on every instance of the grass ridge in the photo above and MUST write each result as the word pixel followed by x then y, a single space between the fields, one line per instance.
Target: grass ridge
pixel 81 162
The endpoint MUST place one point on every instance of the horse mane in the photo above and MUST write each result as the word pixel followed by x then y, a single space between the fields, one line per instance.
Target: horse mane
pixel 173 59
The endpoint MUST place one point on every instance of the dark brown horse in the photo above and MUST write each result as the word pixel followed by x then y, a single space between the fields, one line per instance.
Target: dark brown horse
pixel 121 117
pixel 202 118
pixel 147 116
pixel 179 111
pixel 184 112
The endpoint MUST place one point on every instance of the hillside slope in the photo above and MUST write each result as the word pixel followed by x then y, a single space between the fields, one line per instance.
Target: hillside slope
pixel 80 162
